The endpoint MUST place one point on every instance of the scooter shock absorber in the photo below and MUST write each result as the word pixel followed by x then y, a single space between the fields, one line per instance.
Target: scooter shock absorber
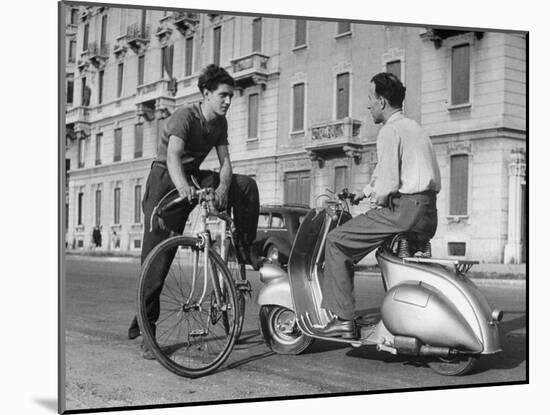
pixel 403 248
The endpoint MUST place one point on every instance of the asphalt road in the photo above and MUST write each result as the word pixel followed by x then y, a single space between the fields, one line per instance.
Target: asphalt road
pixel 104 369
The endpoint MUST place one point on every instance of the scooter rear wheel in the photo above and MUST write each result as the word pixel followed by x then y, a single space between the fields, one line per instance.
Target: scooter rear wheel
pixel 280 331
pixel 455 366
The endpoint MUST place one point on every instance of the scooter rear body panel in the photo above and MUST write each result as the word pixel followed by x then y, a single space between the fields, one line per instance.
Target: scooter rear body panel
pixel 468 302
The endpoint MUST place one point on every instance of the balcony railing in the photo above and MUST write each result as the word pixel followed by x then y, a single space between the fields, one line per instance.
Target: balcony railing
pixel 186 22
pixel 153 90
pixel 98 53
pixel 77 115
pixel 137 36
pixel 342 136
pixel 250 70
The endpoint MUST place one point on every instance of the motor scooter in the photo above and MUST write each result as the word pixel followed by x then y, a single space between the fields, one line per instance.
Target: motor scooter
pixel 431 310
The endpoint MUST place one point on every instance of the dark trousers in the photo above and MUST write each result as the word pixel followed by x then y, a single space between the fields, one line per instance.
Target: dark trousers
pixel 348 244
pixel 243 201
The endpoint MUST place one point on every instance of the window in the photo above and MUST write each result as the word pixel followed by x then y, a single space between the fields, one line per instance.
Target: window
pixel 456 248
pixel 118 144
pixel 297 187
pixel 74 16
pixel 459 185
pixel 141 69
pixel 85 93
pixel 103 38
pixel 72 51
pixel 253 102
pixel 263 220
pixel 98 140
pixel 460 75
pixel 70 91
pixel 394 67
pixel 167 52
pixel 257 35
pixel 217 45
pixel 343 27
pixel 119 80
pixel 277 221
pixel 300 33
pixel 117 206
pixel 188 56
pixel 79 207
pixel 298 96
pixel 85 39
pixel 138 142
pixel 97 207
pixel 137 204
pixel 341 178
pixel 100 86
pixel 342 95
pixel 143 21
pixel 81 152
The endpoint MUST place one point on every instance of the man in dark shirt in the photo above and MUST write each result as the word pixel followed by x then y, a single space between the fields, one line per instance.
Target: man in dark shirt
pixel 189 135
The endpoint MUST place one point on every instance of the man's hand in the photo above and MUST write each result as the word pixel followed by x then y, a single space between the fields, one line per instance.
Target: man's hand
pixel 186 192
pixel 359 195
pixel 221 197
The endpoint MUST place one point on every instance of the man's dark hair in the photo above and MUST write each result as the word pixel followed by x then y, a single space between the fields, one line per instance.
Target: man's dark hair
pixel 212 76
pixel 389 86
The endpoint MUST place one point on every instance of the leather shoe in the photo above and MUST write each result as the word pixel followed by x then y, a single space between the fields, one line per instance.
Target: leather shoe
pixel 133 331
pixel 338 327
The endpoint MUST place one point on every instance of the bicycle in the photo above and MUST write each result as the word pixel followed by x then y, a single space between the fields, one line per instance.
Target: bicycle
pixel 203 296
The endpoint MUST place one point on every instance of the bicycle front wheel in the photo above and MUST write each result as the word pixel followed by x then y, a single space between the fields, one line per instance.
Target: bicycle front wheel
pixel 197 323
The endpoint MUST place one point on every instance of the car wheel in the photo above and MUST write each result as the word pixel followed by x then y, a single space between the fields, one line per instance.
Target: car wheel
pixel 272 253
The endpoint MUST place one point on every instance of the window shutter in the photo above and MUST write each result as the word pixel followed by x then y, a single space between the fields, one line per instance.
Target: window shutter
pixel 300 35
pixel 340 178
pixel 138 143
pixel 460 75
pixel 80 200
pixel 120 79
pixel 298 108
pixel 253 102
pixel 459 185
pixel 188 56
pixel 98 207
pixel 98 139
pixel 137 204
pixel 342 93
pixel 257 35
pixel 141 69
pixel 217 44
pixel 118 144
pixel 394 68
pixel 117 206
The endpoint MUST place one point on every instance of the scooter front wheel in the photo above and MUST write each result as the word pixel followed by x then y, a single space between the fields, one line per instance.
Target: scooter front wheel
pixel 455 366
pixel 280 331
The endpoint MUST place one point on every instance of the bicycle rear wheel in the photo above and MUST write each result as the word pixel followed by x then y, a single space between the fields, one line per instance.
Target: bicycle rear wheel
pixel 197 325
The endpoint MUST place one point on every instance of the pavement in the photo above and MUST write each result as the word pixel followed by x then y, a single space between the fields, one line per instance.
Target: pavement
pixel 483 273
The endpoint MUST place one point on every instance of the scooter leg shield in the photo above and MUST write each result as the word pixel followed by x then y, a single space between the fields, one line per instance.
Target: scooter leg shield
pixel 416 310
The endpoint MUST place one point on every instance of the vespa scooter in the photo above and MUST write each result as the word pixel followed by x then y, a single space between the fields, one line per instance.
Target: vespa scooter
pixel 431 310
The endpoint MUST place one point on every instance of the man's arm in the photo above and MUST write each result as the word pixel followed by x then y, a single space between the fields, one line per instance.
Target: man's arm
pixel 226 172
pixel 175 151
pixel 388 169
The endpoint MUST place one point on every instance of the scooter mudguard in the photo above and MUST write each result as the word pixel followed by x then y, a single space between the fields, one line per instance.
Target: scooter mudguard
pixel 276 288
pixel 417 310
pixel 458 290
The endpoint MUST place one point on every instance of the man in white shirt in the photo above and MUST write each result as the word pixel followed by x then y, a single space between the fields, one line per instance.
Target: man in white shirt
pixel 403 189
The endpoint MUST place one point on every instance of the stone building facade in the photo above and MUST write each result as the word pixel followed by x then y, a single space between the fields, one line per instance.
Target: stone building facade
pixel 299 121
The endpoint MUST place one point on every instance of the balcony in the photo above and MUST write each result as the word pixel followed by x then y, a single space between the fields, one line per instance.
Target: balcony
pixel 250 70
pixel 153 98
pixel 186 22
pixel 77 115
pixel 335 138
pixel 164 31
pixel 120 47
pixel 98 53
pixel 137 37
pixel 437 36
